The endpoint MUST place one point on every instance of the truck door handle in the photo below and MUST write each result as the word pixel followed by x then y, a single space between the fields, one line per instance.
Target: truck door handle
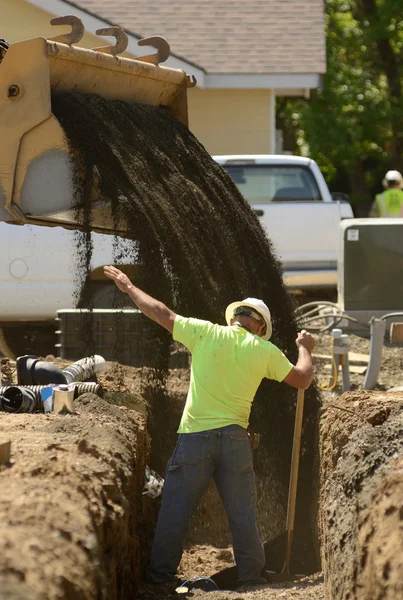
pixel 259 212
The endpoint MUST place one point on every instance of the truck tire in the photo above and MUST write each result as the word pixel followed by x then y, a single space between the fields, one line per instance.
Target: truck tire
pixel 17 339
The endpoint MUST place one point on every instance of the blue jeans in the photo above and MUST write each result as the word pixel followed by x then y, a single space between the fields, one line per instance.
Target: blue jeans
pixel 226 455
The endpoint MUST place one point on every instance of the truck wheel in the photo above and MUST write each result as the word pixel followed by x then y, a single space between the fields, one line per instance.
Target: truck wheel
pixel 27 338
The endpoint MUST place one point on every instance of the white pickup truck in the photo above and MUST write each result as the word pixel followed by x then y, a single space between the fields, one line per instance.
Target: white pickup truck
pixel 298 212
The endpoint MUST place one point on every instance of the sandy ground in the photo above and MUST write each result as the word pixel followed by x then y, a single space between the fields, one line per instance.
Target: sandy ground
pixel 391 373
pixel 308 588
pixel 361 446
pixel 68 503
pixel 201 559
pixel 204 560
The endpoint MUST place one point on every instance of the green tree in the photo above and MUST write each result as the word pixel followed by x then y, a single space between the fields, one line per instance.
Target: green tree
pixel 353 127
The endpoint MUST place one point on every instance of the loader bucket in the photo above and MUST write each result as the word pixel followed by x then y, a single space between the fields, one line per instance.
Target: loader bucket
pixel 37 171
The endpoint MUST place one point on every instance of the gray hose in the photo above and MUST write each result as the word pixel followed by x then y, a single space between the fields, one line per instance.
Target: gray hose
pixel 80 388
pixel 304 316
pixel 84 368
pixel 18 399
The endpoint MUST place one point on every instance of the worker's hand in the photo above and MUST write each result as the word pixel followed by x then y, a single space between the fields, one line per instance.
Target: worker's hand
pixel 306 340
pixel 121 280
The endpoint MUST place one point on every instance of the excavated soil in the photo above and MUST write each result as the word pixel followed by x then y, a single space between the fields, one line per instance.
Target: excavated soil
pixel 379 553
pixel 55 463
pixel 308 588
pixel 361 516
pixel 70 497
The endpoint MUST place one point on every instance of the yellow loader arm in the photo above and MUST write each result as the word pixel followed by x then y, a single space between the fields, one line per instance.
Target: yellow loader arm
pixel 36 169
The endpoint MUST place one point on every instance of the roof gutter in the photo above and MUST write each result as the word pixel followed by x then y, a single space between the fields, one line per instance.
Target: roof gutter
pixel 277 81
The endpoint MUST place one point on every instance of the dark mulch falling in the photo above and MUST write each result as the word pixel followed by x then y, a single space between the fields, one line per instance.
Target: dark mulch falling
pixel 201 247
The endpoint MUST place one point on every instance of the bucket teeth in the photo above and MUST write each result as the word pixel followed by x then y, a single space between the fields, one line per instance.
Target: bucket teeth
pixel 121 40
pixel 76 33
pixel 162 47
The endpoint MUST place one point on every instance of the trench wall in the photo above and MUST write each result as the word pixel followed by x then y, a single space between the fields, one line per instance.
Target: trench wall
pixel 70 502
pixel 361 496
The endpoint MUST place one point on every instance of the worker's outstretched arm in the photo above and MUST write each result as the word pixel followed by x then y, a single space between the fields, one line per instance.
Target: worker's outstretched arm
pixel 153 309
pixel 301 375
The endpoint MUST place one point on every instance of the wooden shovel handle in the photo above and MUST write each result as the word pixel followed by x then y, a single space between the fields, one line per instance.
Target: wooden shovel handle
pixel 292 490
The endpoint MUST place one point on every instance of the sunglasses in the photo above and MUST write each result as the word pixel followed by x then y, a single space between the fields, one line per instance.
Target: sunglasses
pixel 248 312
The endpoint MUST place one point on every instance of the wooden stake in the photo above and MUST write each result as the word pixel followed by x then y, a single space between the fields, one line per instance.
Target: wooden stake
pixel 396 333
pixel 5 451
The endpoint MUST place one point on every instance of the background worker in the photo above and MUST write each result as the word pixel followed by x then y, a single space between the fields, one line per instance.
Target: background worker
pixel 228 365
pixel 390 202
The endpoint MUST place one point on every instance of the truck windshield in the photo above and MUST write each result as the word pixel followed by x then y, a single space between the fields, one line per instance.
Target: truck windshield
pixel 274 183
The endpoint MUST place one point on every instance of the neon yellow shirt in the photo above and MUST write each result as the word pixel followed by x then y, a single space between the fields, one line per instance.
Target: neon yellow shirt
pixel 228 365
pixel 390 203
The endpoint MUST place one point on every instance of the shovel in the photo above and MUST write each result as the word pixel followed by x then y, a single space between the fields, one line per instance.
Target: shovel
pixel 285 574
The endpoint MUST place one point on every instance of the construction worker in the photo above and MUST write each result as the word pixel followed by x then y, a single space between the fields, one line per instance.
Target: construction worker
pixel 390 202
pixel 228 365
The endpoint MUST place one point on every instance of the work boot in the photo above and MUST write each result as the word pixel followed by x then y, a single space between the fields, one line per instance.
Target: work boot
pixel 168 583
pixel 164 591
pixel 252 582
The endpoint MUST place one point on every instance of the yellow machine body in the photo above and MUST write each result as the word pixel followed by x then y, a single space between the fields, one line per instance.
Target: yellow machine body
pixel 36 183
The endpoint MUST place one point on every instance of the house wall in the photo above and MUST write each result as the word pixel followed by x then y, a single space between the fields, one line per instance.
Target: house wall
pixel 233 121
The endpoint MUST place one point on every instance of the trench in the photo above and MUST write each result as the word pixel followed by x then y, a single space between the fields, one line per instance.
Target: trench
pixel 74 523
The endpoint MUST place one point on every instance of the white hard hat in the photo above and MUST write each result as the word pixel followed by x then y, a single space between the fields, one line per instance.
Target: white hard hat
pixel 392 176
pixel 257 305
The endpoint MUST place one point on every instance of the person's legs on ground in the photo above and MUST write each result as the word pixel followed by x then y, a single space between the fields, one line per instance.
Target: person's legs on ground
pixel 235 480
pixel 188 475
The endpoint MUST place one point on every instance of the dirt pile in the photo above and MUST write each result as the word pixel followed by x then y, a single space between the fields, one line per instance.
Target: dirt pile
pixel 361 495
pixel 69 503
pixel 198 247
pixel 380 541
pixel 53 497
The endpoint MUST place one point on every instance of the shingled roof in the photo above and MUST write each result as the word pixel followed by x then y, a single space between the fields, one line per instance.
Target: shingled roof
pixel 228 36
